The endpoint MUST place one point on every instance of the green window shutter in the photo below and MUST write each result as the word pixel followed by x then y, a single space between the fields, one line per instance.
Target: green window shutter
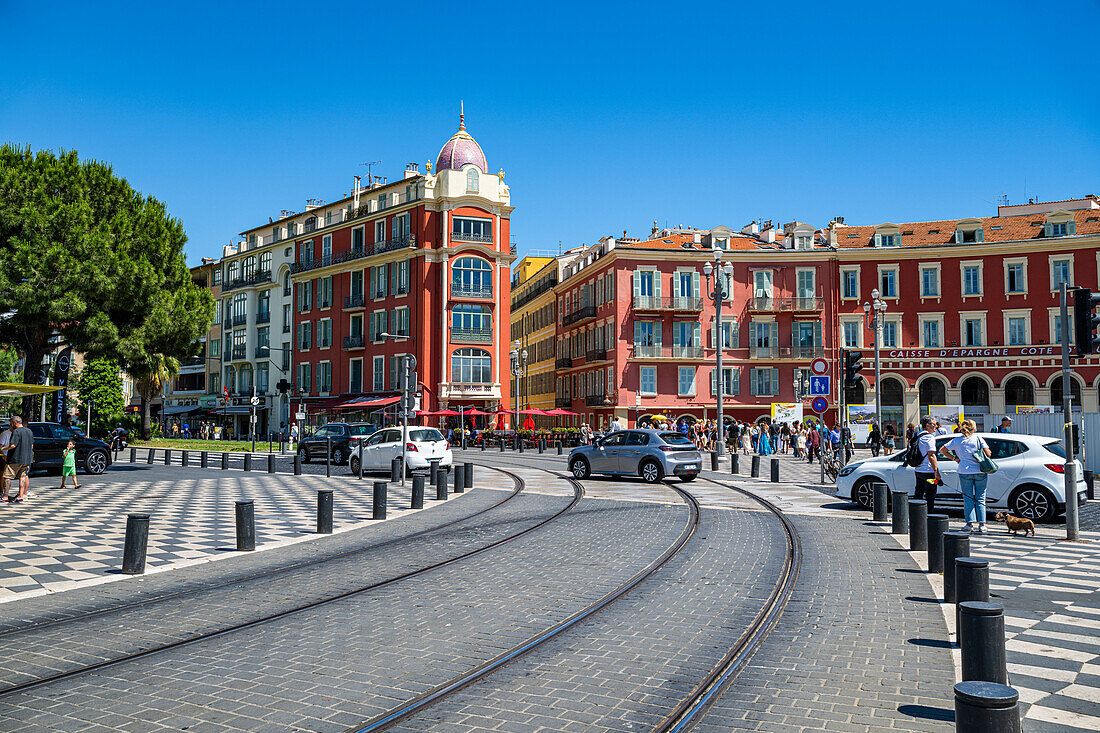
pixel 695 284
pixel 958 236
pixel 1072 227
pixel 657 283
pixel 773 328
pixel 373 278
pixel 696 334
pixel 658 332
pixel 735 335
pixel 637 283
pixel 775 381
pixel 713 382
pixel 393 277
pixel 980 235
pixel 382 279
pixel 878 240
pixel 818 343
pixel 1048 229
pixel 735 378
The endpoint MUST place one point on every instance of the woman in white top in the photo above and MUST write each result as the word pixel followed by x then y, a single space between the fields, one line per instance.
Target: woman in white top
pixel 971 479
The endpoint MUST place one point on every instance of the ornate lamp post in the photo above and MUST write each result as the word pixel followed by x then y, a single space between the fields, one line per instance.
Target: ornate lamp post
pixel 723 275
pixel 874 323
pixel 519 368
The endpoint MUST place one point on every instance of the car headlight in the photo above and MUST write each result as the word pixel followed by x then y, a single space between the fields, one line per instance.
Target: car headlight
pixel 848 470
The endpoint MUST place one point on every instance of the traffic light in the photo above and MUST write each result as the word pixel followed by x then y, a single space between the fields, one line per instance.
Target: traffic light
pixel 282 386
pixel 1085 321
pixel 851 367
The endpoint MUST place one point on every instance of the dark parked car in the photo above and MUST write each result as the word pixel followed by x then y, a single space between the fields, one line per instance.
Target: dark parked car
pixel 51 439
pixel 345 437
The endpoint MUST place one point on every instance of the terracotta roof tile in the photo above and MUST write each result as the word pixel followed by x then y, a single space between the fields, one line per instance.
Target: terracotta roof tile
pixel 936 233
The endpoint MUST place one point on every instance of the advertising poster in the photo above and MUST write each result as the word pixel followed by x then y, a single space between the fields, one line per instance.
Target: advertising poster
pixel 948 415
pixel 1035 409
pixel 860 418
pixel 786 412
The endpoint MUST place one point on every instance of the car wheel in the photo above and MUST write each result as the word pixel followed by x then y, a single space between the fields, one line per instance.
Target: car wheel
pixel 651 472
pixel 338 456
pixel 1033 502
pixel 303 454
pixel 579 468
pixel 96 462
pixel 863 493
pixel 353 464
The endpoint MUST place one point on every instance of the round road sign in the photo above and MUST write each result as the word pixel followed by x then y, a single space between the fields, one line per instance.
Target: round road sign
pixel 819 405
pixel 819 366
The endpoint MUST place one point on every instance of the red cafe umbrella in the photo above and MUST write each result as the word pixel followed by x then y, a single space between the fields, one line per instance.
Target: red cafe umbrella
pixel 559 412
pixel 476 412
pixel 528 423
pixel 440 413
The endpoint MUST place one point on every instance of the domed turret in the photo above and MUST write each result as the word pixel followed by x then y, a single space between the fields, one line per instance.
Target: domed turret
pixel 461 150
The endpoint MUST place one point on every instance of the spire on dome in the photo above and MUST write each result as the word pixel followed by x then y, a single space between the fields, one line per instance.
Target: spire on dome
pixel 461 149
pixel 461 115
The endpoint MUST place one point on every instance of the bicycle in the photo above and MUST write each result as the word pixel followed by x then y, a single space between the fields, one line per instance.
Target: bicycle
pixel 831 462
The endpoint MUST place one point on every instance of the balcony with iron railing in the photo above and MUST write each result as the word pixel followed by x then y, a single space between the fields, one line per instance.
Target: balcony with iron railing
pixel 262 352
pixel 354 253
pixel 668 352
pixel 563 362
pixel 239 352
pixel 472 335
pixel 672 303
pixel 263 317
pixel 260 276
pixel 786 352
pixel 465 237
pixel 458 290
pixel 766 304
pixel 563 402
pixel 286 328
pixel 235 321
pixel 596 400
pixel 581 314
pixel 354 342
pixel 531 294
pixel 596 355
pixel 354 301
pixel 286 291
pixel 193 362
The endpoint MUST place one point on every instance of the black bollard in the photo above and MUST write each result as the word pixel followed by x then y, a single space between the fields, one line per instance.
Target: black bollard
pixel 735 463
pixel 433 469
pixel 468 479
pixel 185 457
pixel 167 456
pixel 271 463
pixel 502 444
pixel 137 542
pixel 378 505
pixel 955 545
pixel 981 635
pixel 714 460
pixel 899 512
pixel 1088 485
pixel 440 485
pixel 754 470
pixel 328 456
pixel 519 443
pixel 986 707
pixel 482 441
pixel 395 469
pixel 460 480
pixel 297 464
pixel 246 525
pixel 248 461
pixel 880 501
pixel 937 526
pixel 324 511
pixel 918 525
pixel 203 459
pixel 149 455
pixel 540 446
pixel 775 470
pixel 133 455
pixel 559 447
pixel 971 582
pixel 418 492
pixel 225 461
pixel 361 461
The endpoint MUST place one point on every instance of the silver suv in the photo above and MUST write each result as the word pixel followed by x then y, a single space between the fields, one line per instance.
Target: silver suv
pixel 651 454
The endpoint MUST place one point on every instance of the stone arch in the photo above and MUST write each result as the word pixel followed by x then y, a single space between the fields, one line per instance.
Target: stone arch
pixel 1019 389
pixel 931 390
pixel 1076 388
pixel 857 395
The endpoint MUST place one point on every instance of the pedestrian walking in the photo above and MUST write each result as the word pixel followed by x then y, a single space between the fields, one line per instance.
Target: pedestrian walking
pixel 20 457
pixel 813 444
pixel 1006 423
pixel 966 447
pixel 68 464
pixel 889 439
pixel 874 438
pixel 5 441
pixel 928 476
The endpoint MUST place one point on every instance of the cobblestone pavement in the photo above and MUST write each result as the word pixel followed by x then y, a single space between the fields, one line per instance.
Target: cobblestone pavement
pixel 334 666
pixel 62 537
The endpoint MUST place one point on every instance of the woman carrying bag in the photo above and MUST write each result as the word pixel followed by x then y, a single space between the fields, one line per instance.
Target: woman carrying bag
pixel 975 463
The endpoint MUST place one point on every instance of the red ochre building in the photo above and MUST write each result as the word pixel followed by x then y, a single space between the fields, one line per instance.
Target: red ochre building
pixel 426 258
pixel 971 316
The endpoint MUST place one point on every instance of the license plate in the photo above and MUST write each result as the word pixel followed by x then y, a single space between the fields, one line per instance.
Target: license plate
pixel 691 467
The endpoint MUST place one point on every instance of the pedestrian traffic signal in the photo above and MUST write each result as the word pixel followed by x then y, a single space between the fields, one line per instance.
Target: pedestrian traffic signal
pixel 282 386
pixel 852 367
pixel 1086 321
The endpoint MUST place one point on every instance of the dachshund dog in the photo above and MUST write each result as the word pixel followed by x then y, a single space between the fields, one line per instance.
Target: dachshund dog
pixel 1016 524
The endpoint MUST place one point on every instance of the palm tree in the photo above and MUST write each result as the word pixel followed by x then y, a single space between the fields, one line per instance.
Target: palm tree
pixel 152 383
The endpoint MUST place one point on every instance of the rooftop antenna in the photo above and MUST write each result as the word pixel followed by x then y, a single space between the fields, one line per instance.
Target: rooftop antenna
pixel 368 165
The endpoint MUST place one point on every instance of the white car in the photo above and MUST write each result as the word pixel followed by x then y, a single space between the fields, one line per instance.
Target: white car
pixel 424 444
pixel 1029 481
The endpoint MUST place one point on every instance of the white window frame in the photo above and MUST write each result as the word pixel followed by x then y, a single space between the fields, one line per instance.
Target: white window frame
pixel 860 328
pixel 962 279
pixel 897 281
pixel 921 267
pixel 965 316
pixel 324 324
pixel 1016 261
pixel 1007 316
pixel 899 337
pixel 1054 315
pixel 844 270
pixel 1050 269
pixel 936 318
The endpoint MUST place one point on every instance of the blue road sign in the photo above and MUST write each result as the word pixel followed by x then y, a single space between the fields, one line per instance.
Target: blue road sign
pixel 819 386
pixel 819 405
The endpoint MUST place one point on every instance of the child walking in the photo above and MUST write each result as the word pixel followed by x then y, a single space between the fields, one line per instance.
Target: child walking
pixel 68 466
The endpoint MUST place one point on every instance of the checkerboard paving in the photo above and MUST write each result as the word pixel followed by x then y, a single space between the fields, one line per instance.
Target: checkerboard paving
pixel 64 537
pixel 1051 593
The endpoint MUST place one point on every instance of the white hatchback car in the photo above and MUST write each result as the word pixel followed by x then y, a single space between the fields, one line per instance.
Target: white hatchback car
pixel 1029 481
pixel 424 444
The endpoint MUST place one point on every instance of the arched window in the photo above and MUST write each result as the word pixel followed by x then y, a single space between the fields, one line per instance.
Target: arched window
pixel 265 262
pixel 248 267
pixel 471 366
pixel 472 277
pixel 856 395
pixel 1019 391
pixel 233 273
pixel 893 394
pixel 1056 392
pixel 932 392
pixel 470 318
pixel 975 396
pixel 471 180
pixel 286 283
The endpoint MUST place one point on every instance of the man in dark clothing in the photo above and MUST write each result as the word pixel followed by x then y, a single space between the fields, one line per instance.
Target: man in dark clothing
pixel 20 457
pixel 928 473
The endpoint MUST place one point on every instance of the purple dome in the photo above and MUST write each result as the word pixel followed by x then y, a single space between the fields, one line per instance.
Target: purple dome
pixel 461 150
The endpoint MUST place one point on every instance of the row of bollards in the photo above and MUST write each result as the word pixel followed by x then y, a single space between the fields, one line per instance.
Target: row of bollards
pixel 754 466
pixel 984 703
pixel 136 544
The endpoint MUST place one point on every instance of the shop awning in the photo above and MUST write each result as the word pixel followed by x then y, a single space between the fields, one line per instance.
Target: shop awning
pixel 234 410
pixel 15 389
pixel 180 409
pixel 367 403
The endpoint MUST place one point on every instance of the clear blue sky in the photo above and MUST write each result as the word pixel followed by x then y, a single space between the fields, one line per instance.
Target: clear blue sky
pixel 604 116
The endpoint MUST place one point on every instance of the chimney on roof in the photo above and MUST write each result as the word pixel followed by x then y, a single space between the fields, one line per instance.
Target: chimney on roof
pixel 752 229
pixel 654 230
pixel 412 170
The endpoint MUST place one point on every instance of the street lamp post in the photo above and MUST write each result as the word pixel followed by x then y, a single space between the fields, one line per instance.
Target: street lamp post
pixel 874 323
pixel 519 368
pixel 282 397
pixel 723 274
